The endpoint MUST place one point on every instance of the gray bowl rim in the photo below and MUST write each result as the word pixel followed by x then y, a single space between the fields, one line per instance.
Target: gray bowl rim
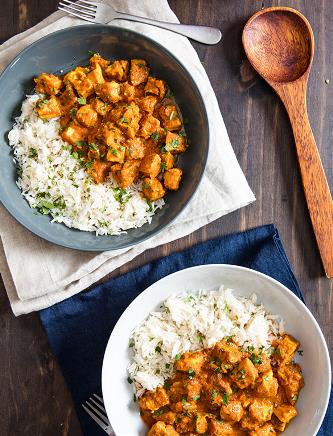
pixel 7 205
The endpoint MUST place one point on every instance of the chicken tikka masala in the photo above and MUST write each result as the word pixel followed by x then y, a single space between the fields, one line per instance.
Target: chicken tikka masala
pixel 118 120
pixel 227 390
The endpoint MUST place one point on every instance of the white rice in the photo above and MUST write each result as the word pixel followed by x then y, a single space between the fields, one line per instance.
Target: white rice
pixel 54 182
pixel 189 322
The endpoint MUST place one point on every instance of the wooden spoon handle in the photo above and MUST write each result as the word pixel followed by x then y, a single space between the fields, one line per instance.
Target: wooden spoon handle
pixel 315 184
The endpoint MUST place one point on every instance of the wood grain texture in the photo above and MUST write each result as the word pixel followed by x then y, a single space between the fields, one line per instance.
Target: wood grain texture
pixel 279 43
pixel 36 402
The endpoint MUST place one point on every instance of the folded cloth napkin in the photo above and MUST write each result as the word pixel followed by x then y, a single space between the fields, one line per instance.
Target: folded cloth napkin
pixel 38 274
pixel 79 328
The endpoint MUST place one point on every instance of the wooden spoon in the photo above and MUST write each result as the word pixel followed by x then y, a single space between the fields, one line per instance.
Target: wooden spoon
pixel 279 43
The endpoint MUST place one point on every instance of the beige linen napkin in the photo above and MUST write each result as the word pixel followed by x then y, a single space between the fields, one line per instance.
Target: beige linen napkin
pixel 38 274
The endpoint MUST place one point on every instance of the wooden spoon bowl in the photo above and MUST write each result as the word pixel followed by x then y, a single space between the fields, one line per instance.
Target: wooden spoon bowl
pixel 279 43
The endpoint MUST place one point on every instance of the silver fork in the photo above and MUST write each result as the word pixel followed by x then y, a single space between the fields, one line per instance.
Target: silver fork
pixel 95 408
pixel 102 14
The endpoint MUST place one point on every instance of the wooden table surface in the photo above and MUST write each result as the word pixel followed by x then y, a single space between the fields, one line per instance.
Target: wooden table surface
pixel 35 400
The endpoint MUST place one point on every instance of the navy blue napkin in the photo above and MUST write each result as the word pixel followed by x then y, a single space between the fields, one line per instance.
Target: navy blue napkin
pixel 78 328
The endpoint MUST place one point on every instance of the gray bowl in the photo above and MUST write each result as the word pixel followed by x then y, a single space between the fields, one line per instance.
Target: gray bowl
pixel 64 50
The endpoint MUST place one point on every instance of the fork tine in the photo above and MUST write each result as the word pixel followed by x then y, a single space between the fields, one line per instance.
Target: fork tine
pixel 94 417
pixel 97 404
pixel 87 8
pixel 99 398
pixel 77 9
pixel 89 3
pixel 97 412
pixel 76 15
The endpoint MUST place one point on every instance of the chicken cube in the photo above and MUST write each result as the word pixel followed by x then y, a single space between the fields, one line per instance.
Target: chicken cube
pixel 48 84
pixel 201 424
pixel 148 103
pixel 109 91
pixel 192 389
pixel 171 178
pixel 74 133
pixel 151 165
pixel 177 391
pixel 100 106
pixel 227 352
pixel 49 108
pixel 130 120
pixel 116 153
pixel 184 424
pixel 118 70
pixel 168 160
pixel 291 379
pixel 220 428
pixel 96 76
pixel 67 99
pixel 261 410
pixel 248 423
pixel 286 347
pixel 162 429
pixel 87 116
pixel 244 374
pixel 110 135
pixel 232 411
pixel 285 412
pixel 170 117
pixel 268 385
pixel 175 143
pixel 129 173
pixel 167 417
pixel 97 60
pixel 149 125
pixel 190 361
pixel 78 78
pixel 152 189
pixel 265 430
pixel 155 86
pixel 139 71
pixel 127 92
pixel 154 400
pixel 134 148
pixel 264 363
pixel 99 171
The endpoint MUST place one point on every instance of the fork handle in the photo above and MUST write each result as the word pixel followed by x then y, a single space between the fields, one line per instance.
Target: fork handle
pixel 203 34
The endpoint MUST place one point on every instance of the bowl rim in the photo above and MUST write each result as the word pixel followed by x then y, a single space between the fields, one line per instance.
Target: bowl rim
pixel 138 300
pixel 75 246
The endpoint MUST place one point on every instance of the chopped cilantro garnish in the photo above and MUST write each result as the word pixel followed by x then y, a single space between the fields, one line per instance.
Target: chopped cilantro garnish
pixel 163 167
pixel 92 53
pixel 183 399
pixel 174 143
pixel 256 360
pixel 214 394
pixel 191 373
pixel 177 356
pixel 33 153
pixel 225 398
pixel 73 113
pixel 155 136
pixel 82 100
pixel 196 397
pixel 166 385
pixel 150 205
pixel 294 397
pixel 123 120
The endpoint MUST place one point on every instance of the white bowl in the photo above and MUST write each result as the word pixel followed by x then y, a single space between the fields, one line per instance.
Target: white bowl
pixel 123 413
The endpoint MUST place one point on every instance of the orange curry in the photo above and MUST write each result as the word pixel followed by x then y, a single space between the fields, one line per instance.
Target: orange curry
pixel 227 390
pixel 118 120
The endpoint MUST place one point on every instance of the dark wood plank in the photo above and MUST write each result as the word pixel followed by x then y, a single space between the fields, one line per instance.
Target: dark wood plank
pixel 36 399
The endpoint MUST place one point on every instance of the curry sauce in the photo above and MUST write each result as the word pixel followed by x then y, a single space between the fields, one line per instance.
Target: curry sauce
pixel 119 121
pixel 227 390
